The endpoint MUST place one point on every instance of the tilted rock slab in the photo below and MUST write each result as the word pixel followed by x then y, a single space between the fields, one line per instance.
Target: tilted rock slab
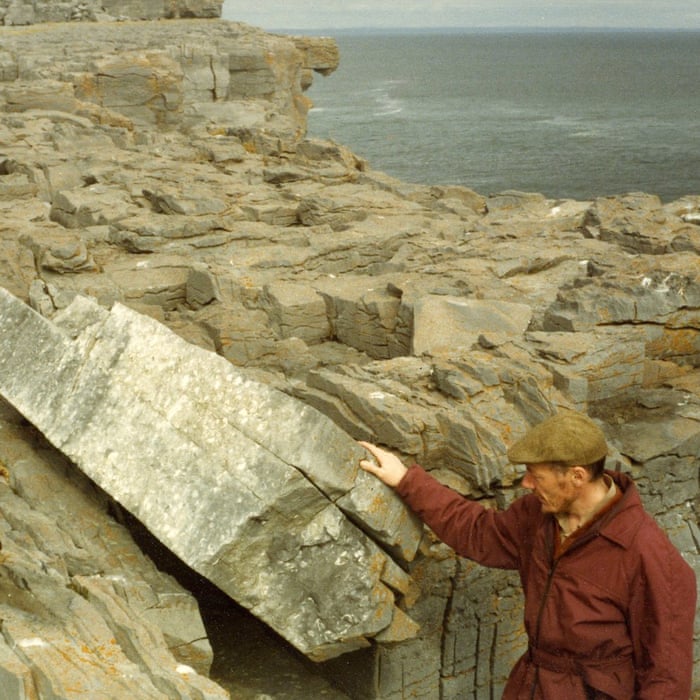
pixel 244 483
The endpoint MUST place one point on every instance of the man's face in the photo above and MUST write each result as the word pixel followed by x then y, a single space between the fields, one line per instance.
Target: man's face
pixel 553 487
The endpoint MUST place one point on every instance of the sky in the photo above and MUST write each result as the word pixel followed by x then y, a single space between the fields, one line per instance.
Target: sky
pixel 345 14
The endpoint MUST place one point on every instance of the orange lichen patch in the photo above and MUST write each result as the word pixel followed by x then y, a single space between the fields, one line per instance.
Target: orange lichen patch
pixel 107 656
pixel 657 372
pixel 376 565
pixel 86 86
pixel 303 104
pixel 4 471
pixel 402 627
pixel 674 343
pixel 247 282
pixel 378 615
pixel 376 505
pixel 101 115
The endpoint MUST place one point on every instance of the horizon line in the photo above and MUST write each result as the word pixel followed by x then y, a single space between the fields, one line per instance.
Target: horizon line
pixel 486 28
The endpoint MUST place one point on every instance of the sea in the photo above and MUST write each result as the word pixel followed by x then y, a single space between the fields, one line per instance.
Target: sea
pixel 570 113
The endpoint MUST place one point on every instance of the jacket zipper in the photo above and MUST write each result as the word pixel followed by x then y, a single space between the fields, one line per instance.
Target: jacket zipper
pixel 545 594
pixel 540 612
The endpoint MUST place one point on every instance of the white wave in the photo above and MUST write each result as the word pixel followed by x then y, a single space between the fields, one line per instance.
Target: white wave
pixel 388 112
pixel 387 105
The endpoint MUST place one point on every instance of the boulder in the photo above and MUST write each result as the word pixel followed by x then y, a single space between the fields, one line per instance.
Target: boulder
pixel 594 366
pixel 258 511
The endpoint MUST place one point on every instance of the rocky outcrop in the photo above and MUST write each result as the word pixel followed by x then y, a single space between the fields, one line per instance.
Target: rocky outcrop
pixel 211 77
pixel 161 171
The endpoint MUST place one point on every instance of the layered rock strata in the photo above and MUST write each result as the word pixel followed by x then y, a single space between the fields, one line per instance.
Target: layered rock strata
pixel 84 613
pixel 161 166
pixel 214 77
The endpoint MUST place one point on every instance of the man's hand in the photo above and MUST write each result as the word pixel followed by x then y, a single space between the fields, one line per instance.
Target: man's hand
pixel 386 466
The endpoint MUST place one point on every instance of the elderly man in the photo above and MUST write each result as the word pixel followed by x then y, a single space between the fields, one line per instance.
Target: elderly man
pixel 609 602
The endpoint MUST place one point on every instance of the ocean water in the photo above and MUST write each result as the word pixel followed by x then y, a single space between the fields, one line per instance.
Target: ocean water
pixel 568 114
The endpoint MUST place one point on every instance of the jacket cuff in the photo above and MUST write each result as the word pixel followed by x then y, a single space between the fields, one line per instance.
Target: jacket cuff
pixel 411 479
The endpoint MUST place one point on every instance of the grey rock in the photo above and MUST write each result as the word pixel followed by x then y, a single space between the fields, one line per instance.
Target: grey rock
pixel 224 149
pixel 202 287
pixel 609 361
pixel 297 311
pixel 443 324
pixel 58 640
pixel 636 222
pixel 522 202
pixel 91 206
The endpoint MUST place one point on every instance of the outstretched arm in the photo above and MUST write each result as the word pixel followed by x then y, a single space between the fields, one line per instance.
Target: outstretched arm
pixel 491 538
pixel 385 465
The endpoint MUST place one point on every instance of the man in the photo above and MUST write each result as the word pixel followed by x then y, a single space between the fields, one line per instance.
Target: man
pixel 609 602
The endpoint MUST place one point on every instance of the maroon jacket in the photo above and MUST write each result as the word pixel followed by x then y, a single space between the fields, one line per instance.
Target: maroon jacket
pixel 611 617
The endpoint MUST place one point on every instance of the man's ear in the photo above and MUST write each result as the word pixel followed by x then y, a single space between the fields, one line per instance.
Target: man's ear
pixel 579 475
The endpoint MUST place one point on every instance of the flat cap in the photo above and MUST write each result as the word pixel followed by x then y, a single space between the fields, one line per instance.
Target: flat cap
pixel 568 437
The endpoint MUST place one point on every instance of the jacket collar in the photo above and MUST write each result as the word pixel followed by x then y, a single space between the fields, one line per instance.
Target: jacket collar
pixel 619 525
pixel 623 521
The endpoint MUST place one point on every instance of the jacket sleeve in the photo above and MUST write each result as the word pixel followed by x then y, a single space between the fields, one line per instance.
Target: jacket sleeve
pixel 489 537
pixel 661 619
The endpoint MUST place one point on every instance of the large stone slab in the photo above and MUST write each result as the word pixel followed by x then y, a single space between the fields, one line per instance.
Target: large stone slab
pixel 236 478
pixel 441 324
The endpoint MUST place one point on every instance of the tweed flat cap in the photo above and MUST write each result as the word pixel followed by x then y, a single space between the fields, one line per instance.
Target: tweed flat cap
pixel 567 437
